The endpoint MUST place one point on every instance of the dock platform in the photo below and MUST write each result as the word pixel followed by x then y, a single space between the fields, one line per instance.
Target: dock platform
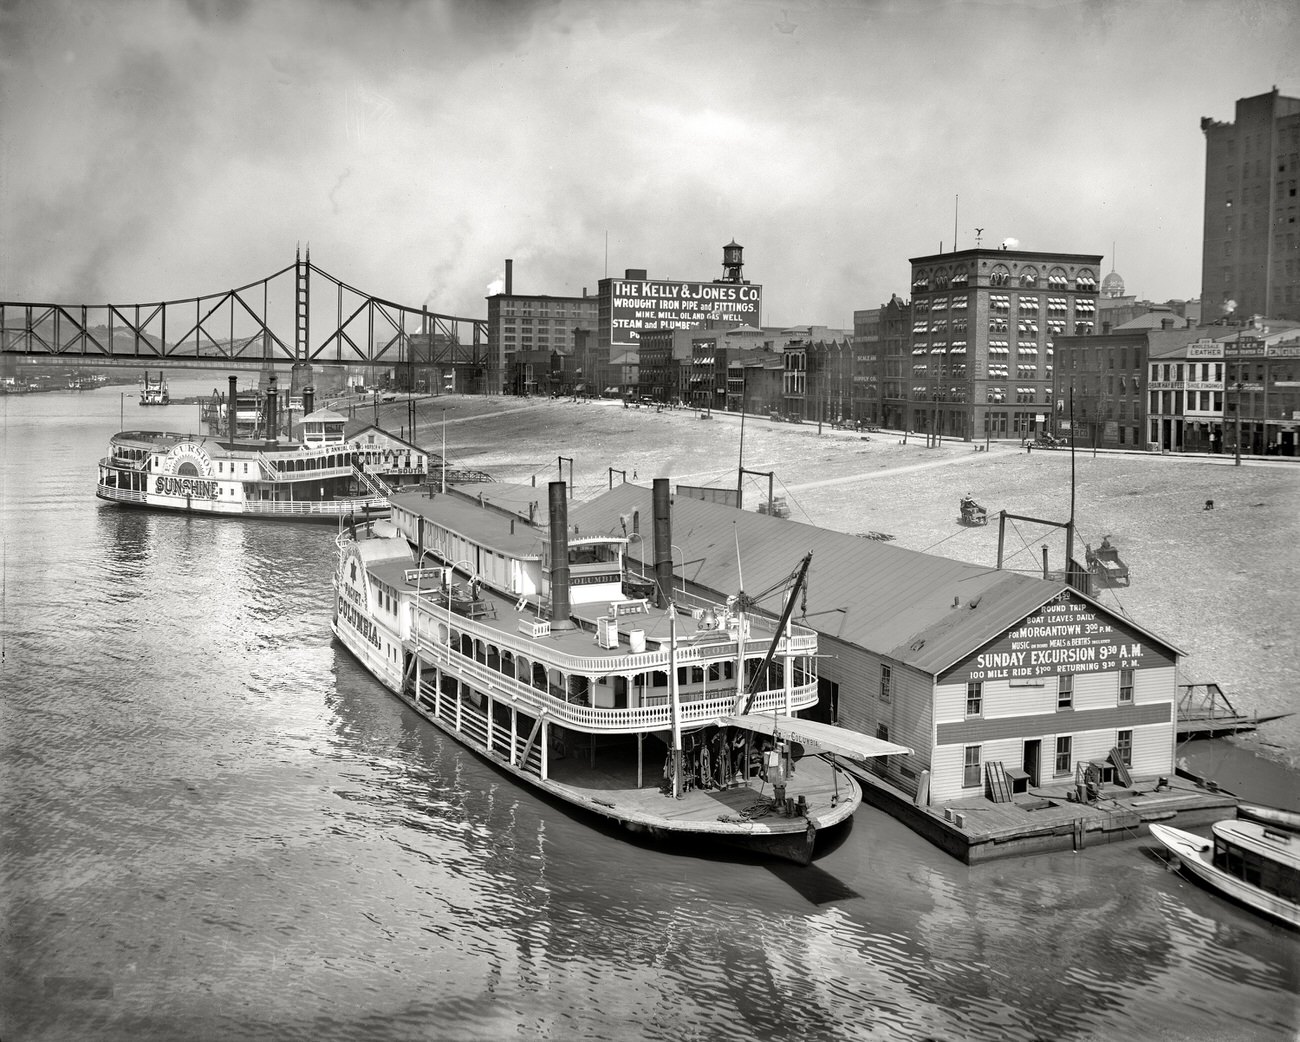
pixel 1204 711
pixel 976 830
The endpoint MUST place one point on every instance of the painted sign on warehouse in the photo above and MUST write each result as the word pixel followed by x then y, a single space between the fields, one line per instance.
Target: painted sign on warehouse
pixel 637 304
pixel 1066 635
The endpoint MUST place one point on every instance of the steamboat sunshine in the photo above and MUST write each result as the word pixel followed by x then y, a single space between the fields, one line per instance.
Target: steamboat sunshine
pixel 672 717
pixel 247 466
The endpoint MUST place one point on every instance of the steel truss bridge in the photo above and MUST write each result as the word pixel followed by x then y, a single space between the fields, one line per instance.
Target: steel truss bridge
pixel 266 324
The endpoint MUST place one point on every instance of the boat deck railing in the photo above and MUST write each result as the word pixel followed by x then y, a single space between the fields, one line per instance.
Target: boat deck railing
pixel 269 507
pixel 433 613
pixel 693 710
pixel 118 495
pixel 316 508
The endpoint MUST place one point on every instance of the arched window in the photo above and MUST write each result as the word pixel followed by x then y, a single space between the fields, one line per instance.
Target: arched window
pixel 1000 275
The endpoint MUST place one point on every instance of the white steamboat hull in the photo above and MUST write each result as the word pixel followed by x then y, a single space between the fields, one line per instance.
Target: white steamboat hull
pixel 465 720
pixel 331 510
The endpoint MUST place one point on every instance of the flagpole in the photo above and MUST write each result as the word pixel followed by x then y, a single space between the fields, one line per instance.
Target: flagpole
pixel 673 698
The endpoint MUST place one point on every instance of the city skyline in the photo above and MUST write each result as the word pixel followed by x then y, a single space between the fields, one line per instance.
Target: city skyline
pixel 159 150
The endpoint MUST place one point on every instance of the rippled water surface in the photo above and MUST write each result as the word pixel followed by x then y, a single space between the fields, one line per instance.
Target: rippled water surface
pixel 217 826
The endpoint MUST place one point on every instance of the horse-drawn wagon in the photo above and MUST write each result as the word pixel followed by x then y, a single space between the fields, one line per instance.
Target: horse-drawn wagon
pixel 1105 564
pixel 972 513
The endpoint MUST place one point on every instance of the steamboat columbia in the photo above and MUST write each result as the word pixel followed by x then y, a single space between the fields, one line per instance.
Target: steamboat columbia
pixel 247 465
pixel 623 695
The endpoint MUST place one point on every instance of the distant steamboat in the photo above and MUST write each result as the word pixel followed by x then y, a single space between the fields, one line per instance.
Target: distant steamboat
pixel 154 392
pixel 675 719
pixel 251 472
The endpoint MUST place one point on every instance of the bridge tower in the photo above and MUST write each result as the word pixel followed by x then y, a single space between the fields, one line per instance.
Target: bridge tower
pixel 302 321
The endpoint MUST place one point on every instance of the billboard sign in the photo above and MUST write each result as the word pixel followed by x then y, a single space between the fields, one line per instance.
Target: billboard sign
pixel 637 304
pixel 1066 635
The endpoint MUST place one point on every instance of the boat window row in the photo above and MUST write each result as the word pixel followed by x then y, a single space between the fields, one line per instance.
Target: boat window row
pixel 1253 868
pixel 616 691
pixel 302 464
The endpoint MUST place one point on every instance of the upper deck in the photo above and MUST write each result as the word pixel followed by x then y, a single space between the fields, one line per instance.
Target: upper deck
pixel 605 636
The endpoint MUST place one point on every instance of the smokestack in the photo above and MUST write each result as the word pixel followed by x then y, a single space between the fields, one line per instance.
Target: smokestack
pixel 230 409
pixel 272 401
pixel 510 277
pixel 308 401
pixel 559 516
pixel 663 536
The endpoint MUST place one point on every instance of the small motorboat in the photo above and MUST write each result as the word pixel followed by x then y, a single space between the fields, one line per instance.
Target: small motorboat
pixel 1255 865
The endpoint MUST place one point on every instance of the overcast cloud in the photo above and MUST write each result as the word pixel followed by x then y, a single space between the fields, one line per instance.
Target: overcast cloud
pixel 156 150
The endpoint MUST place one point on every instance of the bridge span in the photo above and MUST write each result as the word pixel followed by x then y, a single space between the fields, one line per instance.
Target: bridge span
pixel 267 324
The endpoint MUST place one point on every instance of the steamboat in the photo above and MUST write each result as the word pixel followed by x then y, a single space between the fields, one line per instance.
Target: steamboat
pixel 669 714
pixel 154 392
pixel 246 466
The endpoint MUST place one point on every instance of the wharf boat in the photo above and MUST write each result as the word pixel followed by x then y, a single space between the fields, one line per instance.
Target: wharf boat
pixel 674 718
pixel 154 392
pixel 326 474
pixel 1255 864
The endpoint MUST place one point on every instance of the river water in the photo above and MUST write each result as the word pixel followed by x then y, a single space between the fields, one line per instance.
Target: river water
pixel 217 826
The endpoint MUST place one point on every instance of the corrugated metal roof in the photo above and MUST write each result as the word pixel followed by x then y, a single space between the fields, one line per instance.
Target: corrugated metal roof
pixel 464 514
pixel 916 608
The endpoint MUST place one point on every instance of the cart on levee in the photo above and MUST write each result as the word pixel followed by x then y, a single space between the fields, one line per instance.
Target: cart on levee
pixel 1105 565
pixel 972 513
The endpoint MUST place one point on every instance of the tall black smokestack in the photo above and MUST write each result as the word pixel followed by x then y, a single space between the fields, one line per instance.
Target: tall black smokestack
pixel 510 278
pixel 559 518
pixel 663 529
pixel 272 401
pixel 230 408
pixel 308 400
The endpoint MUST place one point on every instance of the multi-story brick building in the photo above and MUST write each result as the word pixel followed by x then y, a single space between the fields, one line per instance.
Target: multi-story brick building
pixel 818 378
pixel 524 328
pixel 1100 383
pixel 1237 391
pixel 984 323
pixel 880 363
pixel 1250 252
pixel 636 302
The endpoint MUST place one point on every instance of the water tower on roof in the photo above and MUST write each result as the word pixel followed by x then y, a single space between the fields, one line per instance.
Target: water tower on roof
pixel 732 262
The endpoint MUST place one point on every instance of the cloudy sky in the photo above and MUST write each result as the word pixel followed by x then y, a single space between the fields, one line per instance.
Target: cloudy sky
pixel 154 149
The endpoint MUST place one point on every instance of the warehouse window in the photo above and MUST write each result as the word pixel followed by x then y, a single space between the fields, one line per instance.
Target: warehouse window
pixel 974 697
pixel 1126 685
pixel 970 778
pixel 1063 754
pixel 1124 746
pixel 1065 691
pixel 886 681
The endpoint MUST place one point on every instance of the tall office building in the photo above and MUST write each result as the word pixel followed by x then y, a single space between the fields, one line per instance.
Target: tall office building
pixel 1250 254
pixel 983 329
